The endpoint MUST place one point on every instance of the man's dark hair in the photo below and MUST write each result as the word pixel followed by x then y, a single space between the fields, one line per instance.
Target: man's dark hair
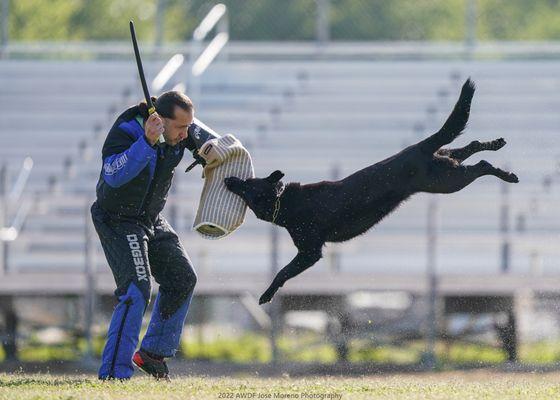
pixel 165 104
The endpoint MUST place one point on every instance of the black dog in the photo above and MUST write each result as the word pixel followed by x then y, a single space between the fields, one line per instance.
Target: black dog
pixel 338 211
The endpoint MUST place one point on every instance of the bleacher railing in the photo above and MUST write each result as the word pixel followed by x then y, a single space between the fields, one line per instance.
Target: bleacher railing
pixel 200 59
pixel 241 50
pixel 9 233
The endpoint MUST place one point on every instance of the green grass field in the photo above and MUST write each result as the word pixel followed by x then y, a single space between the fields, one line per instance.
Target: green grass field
pixel 255 348
pixel 454 385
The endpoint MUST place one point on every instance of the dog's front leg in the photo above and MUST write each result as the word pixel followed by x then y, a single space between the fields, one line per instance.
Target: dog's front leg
pixel 302 261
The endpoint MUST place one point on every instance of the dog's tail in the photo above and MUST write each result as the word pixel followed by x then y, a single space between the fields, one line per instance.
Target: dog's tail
pixel 456 122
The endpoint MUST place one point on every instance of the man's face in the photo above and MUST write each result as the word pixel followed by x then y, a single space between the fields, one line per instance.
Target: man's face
pixel 176 129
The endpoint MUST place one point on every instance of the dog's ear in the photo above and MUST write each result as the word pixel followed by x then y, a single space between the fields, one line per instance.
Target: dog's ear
pixel 275 176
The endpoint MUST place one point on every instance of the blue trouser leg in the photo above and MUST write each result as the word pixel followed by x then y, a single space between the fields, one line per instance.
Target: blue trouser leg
pixel 173 270
pixel 122 336
pixel 163 334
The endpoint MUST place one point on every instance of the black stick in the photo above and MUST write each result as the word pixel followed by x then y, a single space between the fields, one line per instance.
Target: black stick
pixel 151 108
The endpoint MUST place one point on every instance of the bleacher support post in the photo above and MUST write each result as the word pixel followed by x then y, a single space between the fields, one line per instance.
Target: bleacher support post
pixel 9 343
pixel 505 229
pixel 429 358
pixel 89 295
pixel 174 208
pixel 507 333
pixel 3 215
pixel 275 306
pixel 334 254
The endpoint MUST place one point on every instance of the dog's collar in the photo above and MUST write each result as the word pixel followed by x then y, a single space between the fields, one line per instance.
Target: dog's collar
pixel 277 203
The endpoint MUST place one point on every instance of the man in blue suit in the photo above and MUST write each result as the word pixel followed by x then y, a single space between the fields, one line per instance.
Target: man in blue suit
pixel 138 242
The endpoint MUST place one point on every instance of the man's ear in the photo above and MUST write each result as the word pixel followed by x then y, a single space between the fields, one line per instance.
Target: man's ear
pixel 275 176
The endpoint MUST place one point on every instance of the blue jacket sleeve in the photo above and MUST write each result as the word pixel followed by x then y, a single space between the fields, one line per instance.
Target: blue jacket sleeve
pixel 121 168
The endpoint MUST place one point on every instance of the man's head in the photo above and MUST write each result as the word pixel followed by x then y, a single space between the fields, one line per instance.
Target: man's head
pixel 259 194
pixel 177 112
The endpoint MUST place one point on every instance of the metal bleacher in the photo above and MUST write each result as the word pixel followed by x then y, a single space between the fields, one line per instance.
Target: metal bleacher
pixel 307 118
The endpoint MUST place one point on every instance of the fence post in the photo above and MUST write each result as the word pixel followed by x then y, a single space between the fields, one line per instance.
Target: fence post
pixel 11 322
pixel 322 28
pixel 470 31
pixel 160 23
pixel 4 28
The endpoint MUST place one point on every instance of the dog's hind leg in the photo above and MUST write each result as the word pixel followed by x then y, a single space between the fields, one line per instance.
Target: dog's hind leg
pixel 455 179
pixel 455 123
pixel 461 154
pixel 302 261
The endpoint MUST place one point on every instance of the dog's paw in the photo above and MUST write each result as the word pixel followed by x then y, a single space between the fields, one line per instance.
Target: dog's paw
pixel 512 178
pixel 498 143
pixel 264 299
pixel 508 177
pixel 267 296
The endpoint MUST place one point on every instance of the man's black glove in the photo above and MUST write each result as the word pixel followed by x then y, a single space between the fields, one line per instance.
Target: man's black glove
pixel 198 134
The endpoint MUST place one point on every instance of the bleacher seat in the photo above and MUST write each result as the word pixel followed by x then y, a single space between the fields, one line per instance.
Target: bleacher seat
pixel 307 118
